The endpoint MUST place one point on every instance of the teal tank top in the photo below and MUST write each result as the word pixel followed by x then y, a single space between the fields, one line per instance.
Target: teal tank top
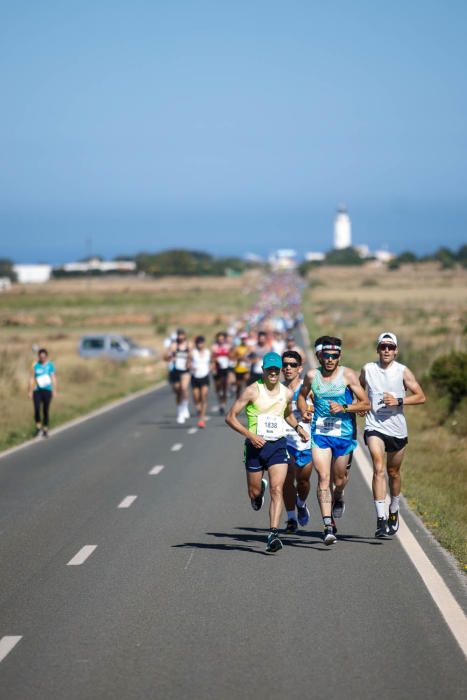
pixel 324 423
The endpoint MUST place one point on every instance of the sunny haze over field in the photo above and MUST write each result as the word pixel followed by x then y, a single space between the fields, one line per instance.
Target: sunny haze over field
pixel 230 126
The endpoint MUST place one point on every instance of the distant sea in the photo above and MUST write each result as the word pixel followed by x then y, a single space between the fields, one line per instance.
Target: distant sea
pixel 31 235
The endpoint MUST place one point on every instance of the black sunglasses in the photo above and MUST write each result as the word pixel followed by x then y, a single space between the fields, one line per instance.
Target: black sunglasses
pixel 386 347
pixel 290 364
pixel 330 356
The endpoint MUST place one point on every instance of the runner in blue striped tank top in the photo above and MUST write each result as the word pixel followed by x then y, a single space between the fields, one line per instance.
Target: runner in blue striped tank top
pixel 333 428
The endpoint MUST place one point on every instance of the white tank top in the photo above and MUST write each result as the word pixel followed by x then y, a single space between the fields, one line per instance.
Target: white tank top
pixel 200 362
pixel 389 420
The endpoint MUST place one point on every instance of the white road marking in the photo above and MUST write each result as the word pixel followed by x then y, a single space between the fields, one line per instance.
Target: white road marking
pixel 82 555
pixel 126 503
pixel 192 431
pixel 178 446
pixel 7 644
pixel 189 560
pixel 442 596
pixel 156 470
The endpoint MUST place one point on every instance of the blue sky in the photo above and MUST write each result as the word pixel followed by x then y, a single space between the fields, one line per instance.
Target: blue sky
pixel 230 126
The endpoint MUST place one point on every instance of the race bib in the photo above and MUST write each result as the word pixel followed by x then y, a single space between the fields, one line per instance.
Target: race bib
pixel 329 425
pixel 223 362
pixel 180 364
pixel 270 427
pixel 43 380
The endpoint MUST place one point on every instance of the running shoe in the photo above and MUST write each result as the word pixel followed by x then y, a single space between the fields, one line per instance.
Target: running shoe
pixel 201 424
pixel 257 503
pixel 303 515
pixel 393 522
pixel 45 433
pixel 338 508
pixel 273 543
pixel 291 527
pixel 181 419
pixel 185 413
pixel 334 526
pixel 329 536
pixel 37 432
pixel 382 531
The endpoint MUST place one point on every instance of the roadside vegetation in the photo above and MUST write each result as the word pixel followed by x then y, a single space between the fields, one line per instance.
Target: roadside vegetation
pixel 56 314
pixel 425 304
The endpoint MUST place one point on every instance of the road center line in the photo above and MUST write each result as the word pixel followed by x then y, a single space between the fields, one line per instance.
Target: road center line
pixel 7 644
pixel 192 431
pixel 156 470
pixel 126 503
pixel 178 446
pixel 442 596
pixel 82 555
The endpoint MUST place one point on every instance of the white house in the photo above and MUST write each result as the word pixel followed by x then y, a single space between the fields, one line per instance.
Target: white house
pixel 33 274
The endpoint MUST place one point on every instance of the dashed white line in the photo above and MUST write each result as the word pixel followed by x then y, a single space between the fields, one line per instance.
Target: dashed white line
pixel 7 644
pixel 156 470
pixel 192 431
pixel 189 560
pixel 178 446
pixel 126 503
pixel 82 555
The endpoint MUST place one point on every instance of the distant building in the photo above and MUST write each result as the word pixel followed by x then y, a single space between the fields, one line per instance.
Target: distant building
pixel 282 260
pixel 314 256
pixel 363 250
pixel 32 274
pixel 342 229
pixel 383 255
pixel 97 265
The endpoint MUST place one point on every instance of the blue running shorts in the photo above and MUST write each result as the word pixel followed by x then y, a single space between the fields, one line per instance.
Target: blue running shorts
pixel 300 457
pixel 339 446
pixel 258 458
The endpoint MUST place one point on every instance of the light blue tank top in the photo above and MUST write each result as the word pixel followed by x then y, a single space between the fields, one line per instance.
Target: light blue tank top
pixel 43 375
pixel 324 423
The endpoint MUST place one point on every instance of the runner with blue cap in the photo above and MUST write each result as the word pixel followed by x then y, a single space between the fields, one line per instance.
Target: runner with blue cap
pixel 268 405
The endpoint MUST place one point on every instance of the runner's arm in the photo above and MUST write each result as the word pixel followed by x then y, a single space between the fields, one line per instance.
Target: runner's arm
pixel 301 399
pixel 362 380
pixel 362 403
pixel 32 382
pixel 53 377
pixel 291 420
pixel 248 396
pixel 168 354
pixel 410 383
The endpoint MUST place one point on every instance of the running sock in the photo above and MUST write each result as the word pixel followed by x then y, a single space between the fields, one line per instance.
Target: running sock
pixel 300 503
pixel 394 506
pixel 291 515
pixel 380 509
pixel 327 520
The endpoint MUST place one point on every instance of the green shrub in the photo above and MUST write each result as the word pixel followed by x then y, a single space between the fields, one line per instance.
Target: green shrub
pixel 449 374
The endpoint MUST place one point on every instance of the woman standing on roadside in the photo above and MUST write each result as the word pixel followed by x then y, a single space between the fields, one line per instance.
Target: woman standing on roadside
pixel 42 387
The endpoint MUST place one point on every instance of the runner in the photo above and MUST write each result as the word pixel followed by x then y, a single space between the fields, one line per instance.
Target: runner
pixel 200 369
pixel 178 354
pixel 300 465
pixel 266 402
pixel 221 358
pixel 386 428
pixel 333 428
pixel 42 388
pixel 239 355
pixel 256 357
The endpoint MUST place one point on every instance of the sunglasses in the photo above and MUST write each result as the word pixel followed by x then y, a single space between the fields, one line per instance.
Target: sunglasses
pixel 330 356
pixel 290 364
pixel 385 346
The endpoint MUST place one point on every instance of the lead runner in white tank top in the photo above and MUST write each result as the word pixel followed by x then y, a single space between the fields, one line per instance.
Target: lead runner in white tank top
pixel 389 420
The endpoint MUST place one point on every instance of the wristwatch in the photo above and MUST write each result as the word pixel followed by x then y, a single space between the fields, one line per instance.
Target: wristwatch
pixel 297 427
pixel 345 407
pixel 400 401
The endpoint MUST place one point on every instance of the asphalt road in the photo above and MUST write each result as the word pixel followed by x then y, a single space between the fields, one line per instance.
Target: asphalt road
pixel 179 598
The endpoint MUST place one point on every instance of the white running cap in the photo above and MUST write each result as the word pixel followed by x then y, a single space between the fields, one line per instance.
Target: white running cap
pixel 386 336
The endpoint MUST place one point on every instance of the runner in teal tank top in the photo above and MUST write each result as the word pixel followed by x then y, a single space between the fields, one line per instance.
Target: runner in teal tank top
pixel 333 428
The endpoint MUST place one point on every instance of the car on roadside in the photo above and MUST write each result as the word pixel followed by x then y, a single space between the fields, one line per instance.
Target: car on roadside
pixel 113 346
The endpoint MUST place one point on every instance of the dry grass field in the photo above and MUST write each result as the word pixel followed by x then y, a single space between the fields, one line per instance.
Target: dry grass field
pixel 427 308
pixel 56 314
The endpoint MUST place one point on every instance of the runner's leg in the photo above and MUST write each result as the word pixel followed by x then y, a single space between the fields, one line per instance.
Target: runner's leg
pixel 277 474
pixel 322 462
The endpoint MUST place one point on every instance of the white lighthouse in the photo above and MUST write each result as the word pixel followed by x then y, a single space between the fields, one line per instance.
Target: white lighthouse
pixel 342 229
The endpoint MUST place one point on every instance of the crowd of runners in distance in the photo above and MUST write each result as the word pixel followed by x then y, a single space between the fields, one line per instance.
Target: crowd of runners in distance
pixel 299 417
